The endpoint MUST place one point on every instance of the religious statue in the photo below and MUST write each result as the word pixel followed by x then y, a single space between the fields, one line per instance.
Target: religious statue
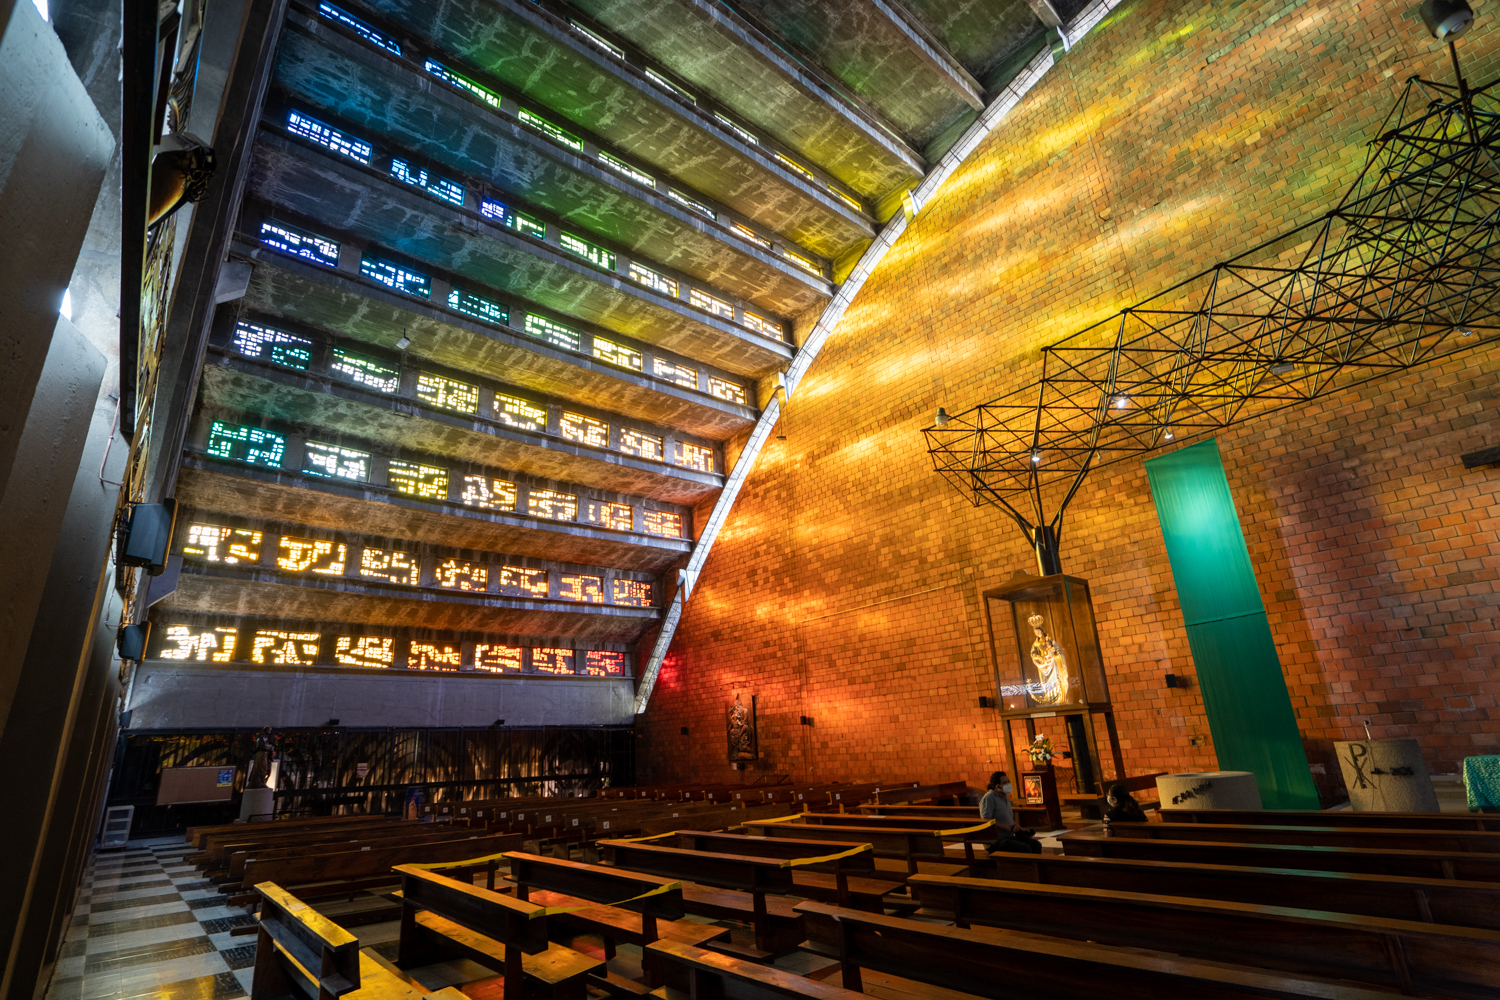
pixel 742 745
pixel 260 764
pixel 1051 687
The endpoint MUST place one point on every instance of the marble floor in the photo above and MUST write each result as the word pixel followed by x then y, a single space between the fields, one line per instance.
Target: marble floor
pixel 146 924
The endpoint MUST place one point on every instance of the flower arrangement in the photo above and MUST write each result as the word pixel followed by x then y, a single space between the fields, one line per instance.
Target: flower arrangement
pixel 1040 750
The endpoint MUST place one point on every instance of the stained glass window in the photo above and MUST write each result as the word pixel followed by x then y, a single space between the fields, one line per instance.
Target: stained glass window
pixel 360 28
pixel 615 516
pixel 551 504
pixel 718 307
pixel 478 306
pixel 488 493
pixel 290 648
pixel 391 565
pixel 726 390
pixel 641 444
pixel 742 133
pixel 217 543
pixel 594 254
pixel 618 354
pixel 463 83
pixel 619 166
pixel 428 482
pixel 552 661
pixel 794 166
pixel 652 279
pixel 328 137
pixel 553 333
pixel 518 413
pixel 497 658
pixel 286 349
pixel 364 371
pixel 336 462
pixel 802 262
pixel 460 574
pixel 447 393
pixel 300 243
pixel 603 663
pixel 251 445
pixel 674 372
pixel 519 581
pixel 584 430
pixel 692 456
pixel 746 233
pixel 434 656
pixel 511 219
pixel 392 275
pixel 551 131
pixel 189 642
pixel 607 46
pixel 760 325
pixel 365 651
pixel 696 206
pixel 579 587
pixel 631 593
pixel 662 524
pixel 439 187
pixel 311 555
pixel 663 81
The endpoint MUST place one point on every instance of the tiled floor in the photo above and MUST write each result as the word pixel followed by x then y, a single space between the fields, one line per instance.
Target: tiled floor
pixel 148 925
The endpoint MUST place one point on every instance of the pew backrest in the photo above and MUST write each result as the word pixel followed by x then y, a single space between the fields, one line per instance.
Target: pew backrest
pixel 324 950
pixel 814 855
pixel 1472 841
pixel 725 871
pixel 627 890
pixel 1339 817
pixel 512 922
pixel 702 973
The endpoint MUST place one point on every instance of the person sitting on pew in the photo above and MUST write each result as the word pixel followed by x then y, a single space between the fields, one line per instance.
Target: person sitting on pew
pixel 996 806
pixel 1123 808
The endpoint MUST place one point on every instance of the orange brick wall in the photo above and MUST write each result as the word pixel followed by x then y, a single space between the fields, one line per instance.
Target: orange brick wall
pixel 845 585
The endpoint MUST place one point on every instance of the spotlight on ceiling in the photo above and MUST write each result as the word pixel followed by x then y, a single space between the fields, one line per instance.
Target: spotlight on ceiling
pixel 942 418
pixel 1120 402
pixel 1036 458
pixel 1447 19
pixel 1168 434
pixel 1465 333
pixel 1283 368
pixel 403 343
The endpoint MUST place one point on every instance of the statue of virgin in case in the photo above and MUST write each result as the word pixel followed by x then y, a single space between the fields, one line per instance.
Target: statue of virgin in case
pixel 1051 687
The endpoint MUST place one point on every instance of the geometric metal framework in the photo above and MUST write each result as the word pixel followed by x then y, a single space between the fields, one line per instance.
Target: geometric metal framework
pixel 1402 272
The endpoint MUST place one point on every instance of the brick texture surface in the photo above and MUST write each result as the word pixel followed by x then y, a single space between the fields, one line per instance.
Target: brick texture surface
pixel 845 586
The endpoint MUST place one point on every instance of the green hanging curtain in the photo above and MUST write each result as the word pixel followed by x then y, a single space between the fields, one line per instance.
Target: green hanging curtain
pixel 1244 693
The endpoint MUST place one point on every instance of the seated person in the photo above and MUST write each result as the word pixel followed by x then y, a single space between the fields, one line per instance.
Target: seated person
pixel 996 806
pixel 1123 808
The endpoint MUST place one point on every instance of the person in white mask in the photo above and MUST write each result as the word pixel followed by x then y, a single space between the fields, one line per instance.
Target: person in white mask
pixel 996 806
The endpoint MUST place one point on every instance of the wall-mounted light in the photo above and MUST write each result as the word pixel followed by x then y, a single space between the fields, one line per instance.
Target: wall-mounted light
pixel 807 720
pixel 942 418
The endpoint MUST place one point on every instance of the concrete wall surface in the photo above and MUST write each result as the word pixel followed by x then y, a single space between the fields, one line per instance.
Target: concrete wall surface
pixel 178 696
pixel 845 586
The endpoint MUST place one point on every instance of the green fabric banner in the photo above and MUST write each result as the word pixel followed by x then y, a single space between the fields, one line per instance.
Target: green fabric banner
pixel 1244 693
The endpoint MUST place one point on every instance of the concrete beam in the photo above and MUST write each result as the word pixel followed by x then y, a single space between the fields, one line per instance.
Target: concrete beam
pixel 208 696
pixel 295 598
pixel 930 51
pixel 211 491
pixel 287 402
pixel 331 301
pixel 389 98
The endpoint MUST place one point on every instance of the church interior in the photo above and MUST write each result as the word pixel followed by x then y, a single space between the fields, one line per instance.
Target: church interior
pixel 749 498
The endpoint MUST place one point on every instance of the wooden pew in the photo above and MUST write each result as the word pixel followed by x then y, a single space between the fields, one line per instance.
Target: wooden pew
pixel 1337 817
pixel 903 843
pixel 615 904
pixel 299 952
pixel 442 918
pixel 1433 900
pixel 1093 805
pixel 1472 841
pixel 1009 964
pixel 404 837
pixel 195 834
pixel 887 795
pixel 694 972
pixel 1410 864
pixel 1410 956
pixel 218 846
pixel 826 880
pixel 1027 816
pixel 748 880
pixel 364 869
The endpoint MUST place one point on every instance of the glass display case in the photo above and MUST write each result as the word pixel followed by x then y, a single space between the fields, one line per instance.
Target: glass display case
pixel 1045 648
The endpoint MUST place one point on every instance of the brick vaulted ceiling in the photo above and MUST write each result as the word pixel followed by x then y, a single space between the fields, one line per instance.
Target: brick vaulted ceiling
pixel 522 277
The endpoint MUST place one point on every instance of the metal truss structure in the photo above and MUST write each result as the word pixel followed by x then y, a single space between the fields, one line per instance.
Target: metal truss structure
pixel 1402 272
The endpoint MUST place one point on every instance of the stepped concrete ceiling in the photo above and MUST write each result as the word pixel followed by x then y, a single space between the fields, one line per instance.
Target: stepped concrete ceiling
pixel 523 275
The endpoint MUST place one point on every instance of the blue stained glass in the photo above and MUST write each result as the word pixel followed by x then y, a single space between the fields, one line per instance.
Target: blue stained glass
pixel 300 243
pixel 328 137
pixel 360 28
pixel 402 279
pixel 439 187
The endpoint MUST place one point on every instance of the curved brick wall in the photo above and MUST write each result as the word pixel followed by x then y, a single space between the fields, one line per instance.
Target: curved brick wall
pixel 845 584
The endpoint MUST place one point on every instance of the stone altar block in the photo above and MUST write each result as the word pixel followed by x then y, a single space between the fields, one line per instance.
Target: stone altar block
pixel 257 805
pixel 1208 790
pixel 1386 776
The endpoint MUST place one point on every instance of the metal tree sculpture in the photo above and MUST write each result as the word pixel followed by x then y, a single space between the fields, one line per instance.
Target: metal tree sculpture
pixel 1402 272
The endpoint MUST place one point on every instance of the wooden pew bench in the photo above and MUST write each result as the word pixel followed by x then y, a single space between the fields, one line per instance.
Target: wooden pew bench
pixel 359 869
pixel 1433 900
pixel 615 904
pixel 904 843
pixel 723 887
pixel 196 834
pixel 1336 817
pixel 1402 863
pixel 1409 956
pixel 403 837
pixel 442 919
pixel 1092 805
pixel 845 878
pixel 693 973
pixel 299 952
pixel 1470 841
pixel 1009 964
pixel 218 846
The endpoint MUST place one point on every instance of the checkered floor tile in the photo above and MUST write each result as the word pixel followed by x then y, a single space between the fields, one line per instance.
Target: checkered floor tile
pixel 147 924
